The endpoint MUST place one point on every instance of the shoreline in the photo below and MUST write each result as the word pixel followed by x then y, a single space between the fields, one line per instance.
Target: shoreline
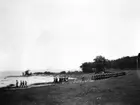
pixel 123 90
pixel 47 84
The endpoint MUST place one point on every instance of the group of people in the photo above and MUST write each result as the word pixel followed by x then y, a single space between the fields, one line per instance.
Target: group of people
pixel 21 84
pixel 60 79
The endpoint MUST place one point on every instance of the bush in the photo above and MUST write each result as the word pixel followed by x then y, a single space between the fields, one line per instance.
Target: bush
pixel 62 72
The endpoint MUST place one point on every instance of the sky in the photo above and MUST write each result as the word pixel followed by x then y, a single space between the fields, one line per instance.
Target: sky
pixel 58 35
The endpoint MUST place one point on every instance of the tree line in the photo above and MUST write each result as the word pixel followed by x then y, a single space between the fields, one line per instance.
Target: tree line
pixel 100 63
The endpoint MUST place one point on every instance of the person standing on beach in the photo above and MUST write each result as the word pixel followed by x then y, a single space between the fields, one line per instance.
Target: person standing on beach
pixel 25 83
pixel 17 83
pixel 54 79
pixel 21 84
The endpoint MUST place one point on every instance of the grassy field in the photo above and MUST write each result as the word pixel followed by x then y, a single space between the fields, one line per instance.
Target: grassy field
pixel 123 90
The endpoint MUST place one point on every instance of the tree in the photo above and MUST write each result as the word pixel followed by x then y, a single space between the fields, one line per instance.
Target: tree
pixel 27 73
pixel 97 66
pixel 62 72
pixel 139 55
pixel 87 67
pixel 100 63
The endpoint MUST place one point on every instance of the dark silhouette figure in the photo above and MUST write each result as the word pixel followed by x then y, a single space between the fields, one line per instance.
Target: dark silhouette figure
pixel 20 84
pixel 56 80
pixel 25 83
pixel 17 83
pixel 60 79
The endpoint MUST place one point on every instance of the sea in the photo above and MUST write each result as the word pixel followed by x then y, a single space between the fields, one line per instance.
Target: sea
pixel 10 77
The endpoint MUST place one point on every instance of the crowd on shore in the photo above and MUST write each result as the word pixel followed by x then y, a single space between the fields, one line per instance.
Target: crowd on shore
pixel 60 79
pixel 24 84
pixel 21 84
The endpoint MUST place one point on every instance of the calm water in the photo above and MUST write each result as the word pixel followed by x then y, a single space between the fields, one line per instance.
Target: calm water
pixel 4 80
pixel 9 73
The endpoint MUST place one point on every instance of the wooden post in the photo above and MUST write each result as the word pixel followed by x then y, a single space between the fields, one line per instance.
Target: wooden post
pixel 138 58
pixel 137 63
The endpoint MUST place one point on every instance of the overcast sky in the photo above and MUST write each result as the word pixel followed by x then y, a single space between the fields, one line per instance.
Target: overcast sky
pixel 62 34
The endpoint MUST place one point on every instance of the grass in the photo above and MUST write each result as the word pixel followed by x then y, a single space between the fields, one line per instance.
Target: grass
pixel 123 90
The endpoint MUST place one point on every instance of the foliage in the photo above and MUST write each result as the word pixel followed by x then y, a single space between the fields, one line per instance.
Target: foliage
pixel 63 72
pixel 74 72
pixel 40 73
pixel 87 67
pixel 26 73
pixel 124 63
pixel 97 66
pixel 100 63
pixel 47 72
